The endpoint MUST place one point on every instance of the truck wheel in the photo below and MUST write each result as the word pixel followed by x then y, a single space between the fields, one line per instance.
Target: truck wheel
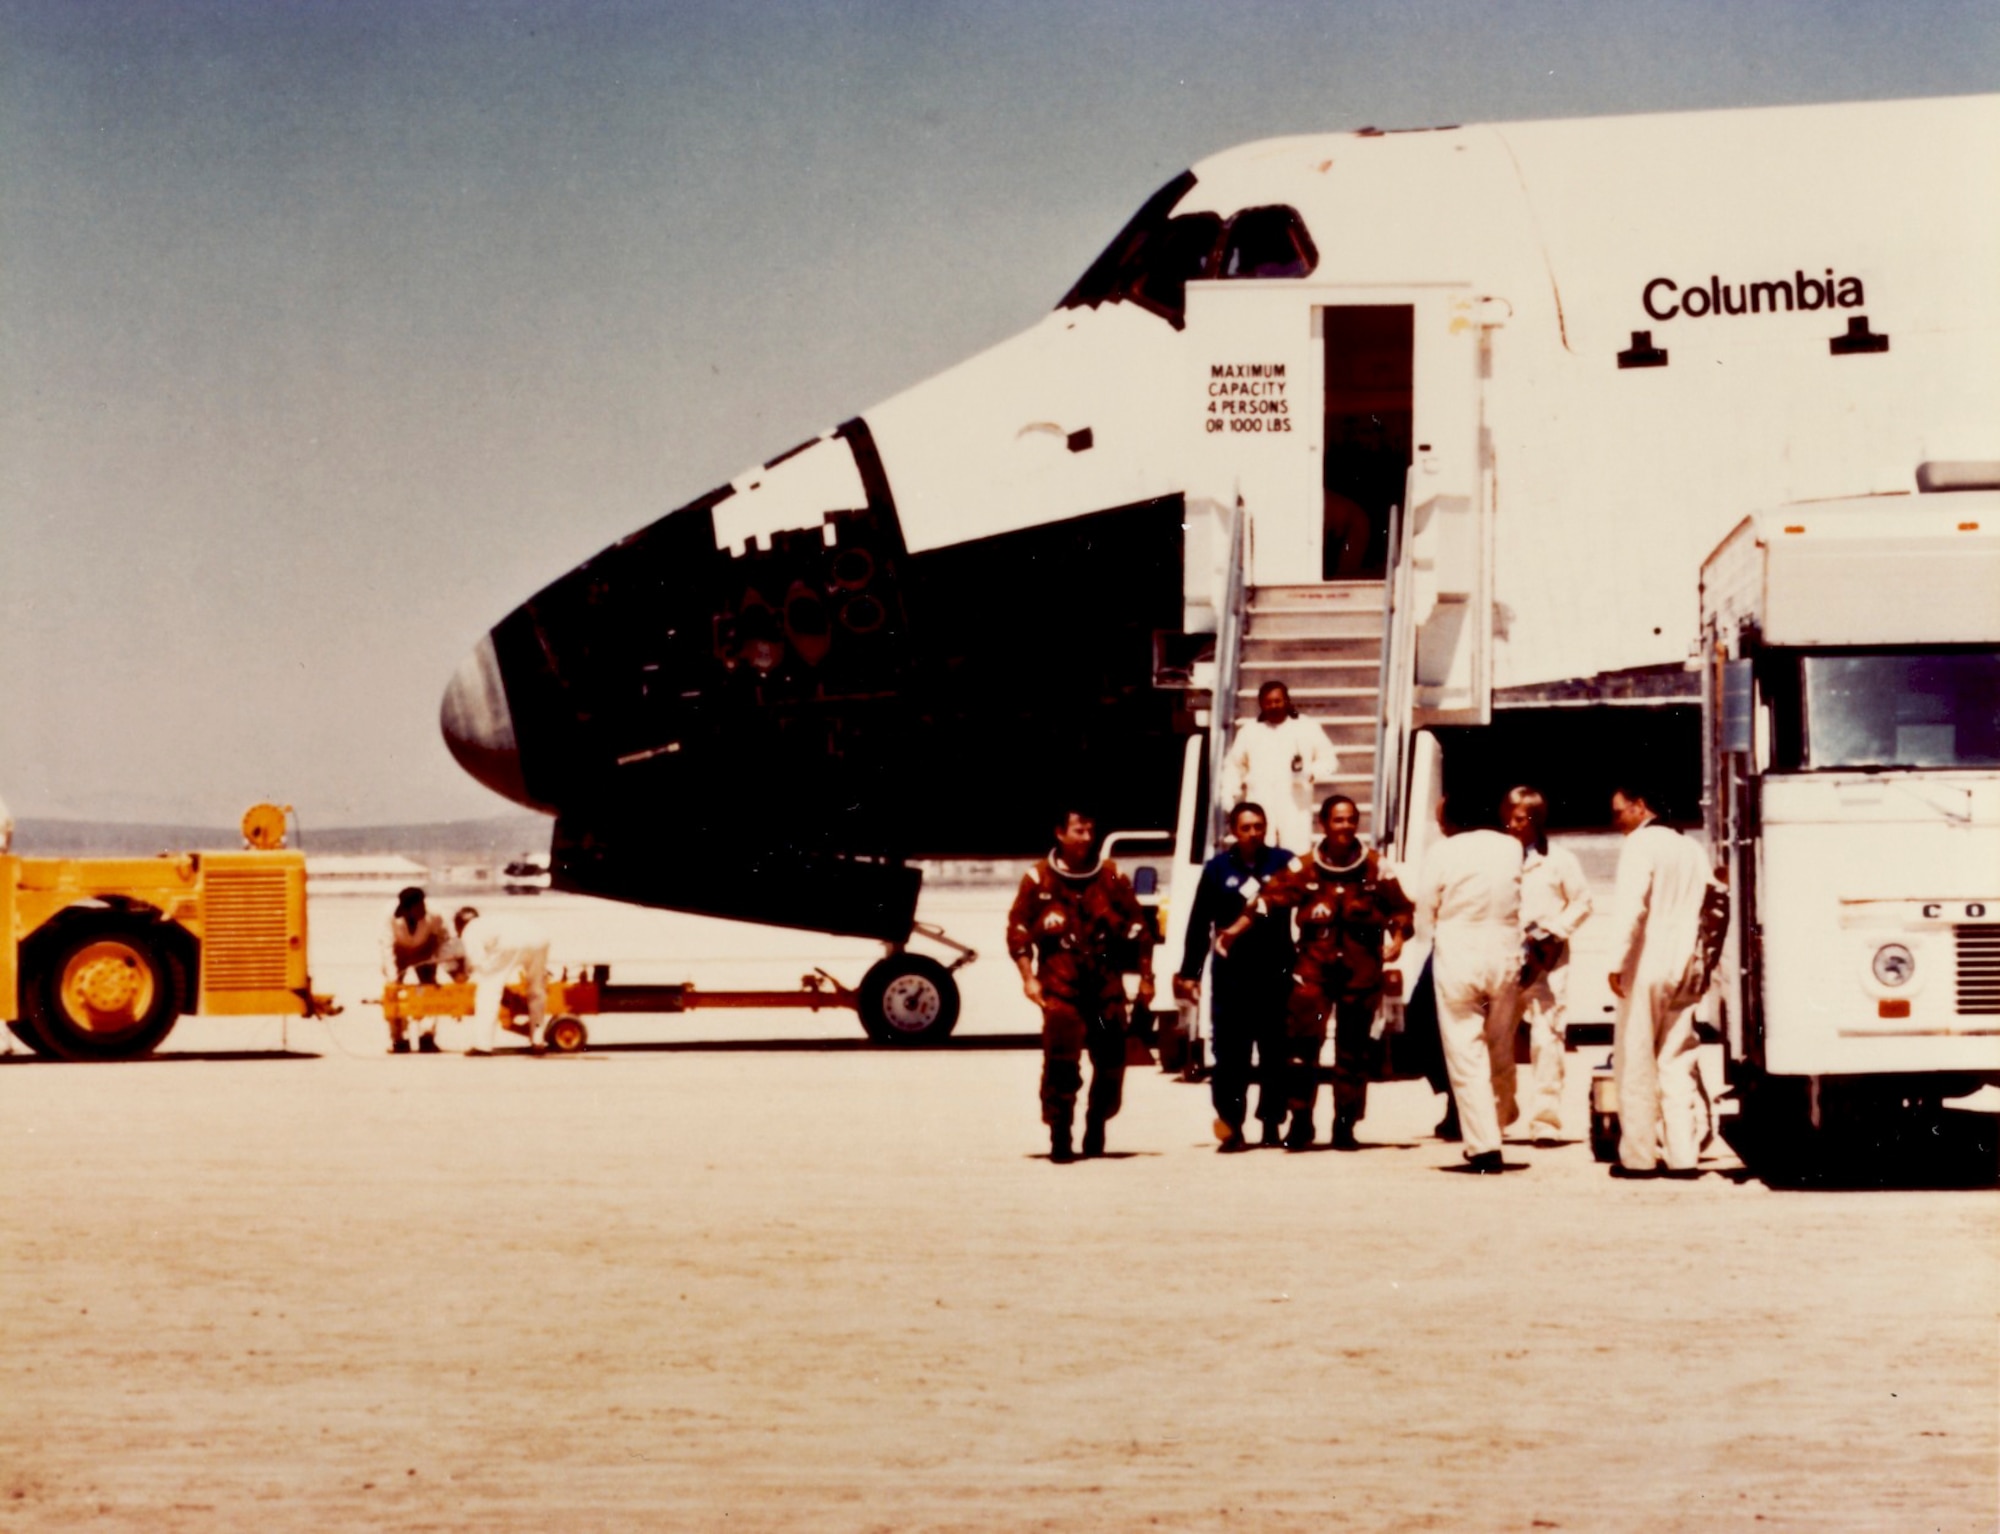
pixel 566 1035
pixel 103 989
pixel 1773 1131
pixel 908 999
pixel 24 1030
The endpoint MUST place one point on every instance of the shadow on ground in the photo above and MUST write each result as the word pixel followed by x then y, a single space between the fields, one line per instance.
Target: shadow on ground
pixel 1952 1149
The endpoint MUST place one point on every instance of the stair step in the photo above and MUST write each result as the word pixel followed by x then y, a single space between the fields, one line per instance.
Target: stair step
pixel 1321 716
pixel 1319 594
pixel 1329 611
pixel 1366 665
pixel 1355 755
pixel 1351 738
pixel 1313 625
pixel 1347 680
pixel 1354 647
pixel 1301 696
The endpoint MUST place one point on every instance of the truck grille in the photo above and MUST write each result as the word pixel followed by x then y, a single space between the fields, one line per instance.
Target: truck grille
pixel 243 930
pixel 1978 968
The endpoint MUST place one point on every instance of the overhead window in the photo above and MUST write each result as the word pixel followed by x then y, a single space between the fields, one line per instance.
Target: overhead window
pixel 1160 252
pixel 1268 242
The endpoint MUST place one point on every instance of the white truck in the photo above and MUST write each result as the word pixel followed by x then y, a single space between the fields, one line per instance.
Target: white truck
pixel 1852 789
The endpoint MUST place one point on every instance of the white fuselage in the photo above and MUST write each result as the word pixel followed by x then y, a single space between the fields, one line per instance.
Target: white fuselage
pixel 1531 253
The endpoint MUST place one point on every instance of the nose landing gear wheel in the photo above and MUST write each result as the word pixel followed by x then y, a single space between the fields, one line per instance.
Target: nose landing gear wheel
pixel 908 999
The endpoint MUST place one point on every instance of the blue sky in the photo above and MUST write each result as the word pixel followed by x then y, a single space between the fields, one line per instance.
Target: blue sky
pixel 329 331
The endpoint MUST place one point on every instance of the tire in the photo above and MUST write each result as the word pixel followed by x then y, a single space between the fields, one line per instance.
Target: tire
pixel 908 999
pixel 25 1031
pixel 1604 1136
pixel 103 988
pixel 1773 1132
pixel 566 1035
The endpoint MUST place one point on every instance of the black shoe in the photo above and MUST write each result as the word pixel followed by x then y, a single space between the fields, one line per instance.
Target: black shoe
pixel 1300 1136
pixel 1273 1135
pixel 1232 1143
pixel 1343 1134
pixel 1632 1173
pixel 399 1046
pixel 1093 1137
pixel 1486 1163
pixel 1060 1150
pixel 1448 1130
pixel 428 1045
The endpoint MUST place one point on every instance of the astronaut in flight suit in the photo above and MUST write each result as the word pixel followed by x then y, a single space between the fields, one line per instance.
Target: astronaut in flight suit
pixel 1074 928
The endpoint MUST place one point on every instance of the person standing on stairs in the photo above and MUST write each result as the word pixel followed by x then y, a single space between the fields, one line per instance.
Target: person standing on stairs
pixel 1274 761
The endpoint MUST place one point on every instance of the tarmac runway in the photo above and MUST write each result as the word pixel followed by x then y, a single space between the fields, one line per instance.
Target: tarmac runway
pixel 747 1271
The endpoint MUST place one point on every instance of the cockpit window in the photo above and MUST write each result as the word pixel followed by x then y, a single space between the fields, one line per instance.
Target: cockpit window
pixel 1112 276
pixel 1160 252
pixel 1268 242
pixel 1180 252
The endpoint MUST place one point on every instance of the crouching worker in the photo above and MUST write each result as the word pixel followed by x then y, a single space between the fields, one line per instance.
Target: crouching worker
pixel 1075 927
pixel 414 944
pixel 495 949
pixel 1353 917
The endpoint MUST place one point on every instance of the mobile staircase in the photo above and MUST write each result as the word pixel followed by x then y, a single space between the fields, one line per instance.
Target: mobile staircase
pixel 1325 641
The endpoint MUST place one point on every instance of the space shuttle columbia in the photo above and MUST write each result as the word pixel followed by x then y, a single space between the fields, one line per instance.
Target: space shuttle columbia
pixel 1435 425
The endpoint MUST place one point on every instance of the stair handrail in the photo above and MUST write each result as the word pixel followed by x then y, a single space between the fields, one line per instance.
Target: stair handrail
pixel 1392 706
pixel 1228 667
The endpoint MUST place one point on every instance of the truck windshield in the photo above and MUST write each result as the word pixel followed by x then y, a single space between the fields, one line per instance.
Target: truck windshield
pixel 1936 709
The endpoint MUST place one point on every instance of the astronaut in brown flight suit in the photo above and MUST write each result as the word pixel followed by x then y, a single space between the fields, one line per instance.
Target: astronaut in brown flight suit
pixel 1076 914
pixel 1353 917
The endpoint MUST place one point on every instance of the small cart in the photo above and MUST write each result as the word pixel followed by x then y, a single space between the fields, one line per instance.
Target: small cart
pixel 905 998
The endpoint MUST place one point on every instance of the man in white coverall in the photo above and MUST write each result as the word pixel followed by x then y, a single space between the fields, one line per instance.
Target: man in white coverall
pixel 1555 901
pixel 1274 761
pixel 1468 900
pixel 496 947
pixel 1662 877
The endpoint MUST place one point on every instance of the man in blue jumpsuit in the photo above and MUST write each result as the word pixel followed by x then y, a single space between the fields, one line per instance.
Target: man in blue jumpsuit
pixel 1251 984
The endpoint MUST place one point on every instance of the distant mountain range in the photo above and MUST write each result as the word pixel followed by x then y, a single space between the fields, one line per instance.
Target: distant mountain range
pixel 498 836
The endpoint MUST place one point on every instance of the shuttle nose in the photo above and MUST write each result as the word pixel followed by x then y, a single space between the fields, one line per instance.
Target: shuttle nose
pixel 479 727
